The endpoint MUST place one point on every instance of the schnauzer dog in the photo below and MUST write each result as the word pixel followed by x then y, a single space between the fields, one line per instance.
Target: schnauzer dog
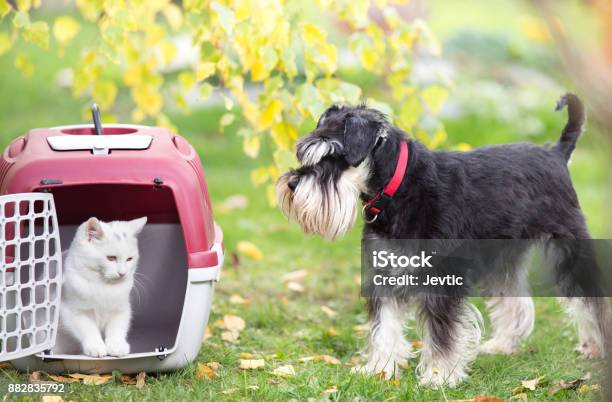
pixel 514 191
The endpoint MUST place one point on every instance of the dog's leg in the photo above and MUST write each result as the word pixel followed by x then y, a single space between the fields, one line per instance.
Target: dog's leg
pixel 387 349
pixel 511 312
pixel 577 283
pixel 452 328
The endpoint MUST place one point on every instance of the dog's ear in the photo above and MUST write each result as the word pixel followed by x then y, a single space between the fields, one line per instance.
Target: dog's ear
pixel 359 138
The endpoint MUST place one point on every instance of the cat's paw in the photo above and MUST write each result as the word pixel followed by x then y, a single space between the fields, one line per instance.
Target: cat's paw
pixel 117 347
pixel 95 348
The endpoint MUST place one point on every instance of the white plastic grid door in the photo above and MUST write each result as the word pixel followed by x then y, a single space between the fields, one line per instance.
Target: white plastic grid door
pixel 30 274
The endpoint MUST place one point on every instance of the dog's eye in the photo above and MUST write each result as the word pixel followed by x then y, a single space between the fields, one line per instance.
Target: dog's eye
pixel 111 258
pixel 130 258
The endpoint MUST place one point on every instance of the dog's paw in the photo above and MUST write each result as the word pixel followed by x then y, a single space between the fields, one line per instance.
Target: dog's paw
pixel 435 378
pixel 590 349
pixel 117 347
pixel 497 347
pixel 94 348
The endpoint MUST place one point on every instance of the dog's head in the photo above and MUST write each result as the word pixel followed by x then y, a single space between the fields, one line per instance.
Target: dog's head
pixel 321 195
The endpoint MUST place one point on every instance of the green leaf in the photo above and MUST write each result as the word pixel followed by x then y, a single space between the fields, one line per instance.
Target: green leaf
pixel 5 8
pixel 5 43
pixel 225 15
pixel 310 100
pixel 284 159
pixel 434 97
pixel 410 112
pixel 38 33
pixel 21 19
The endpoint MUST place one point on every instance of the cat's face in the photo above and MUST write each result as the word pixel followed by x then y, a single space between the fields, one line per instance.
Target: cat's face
pixel 110 248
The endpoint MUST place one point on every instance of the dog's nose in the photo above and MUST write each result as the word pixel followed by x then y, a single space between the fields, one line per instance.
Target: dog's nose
pixel 292 184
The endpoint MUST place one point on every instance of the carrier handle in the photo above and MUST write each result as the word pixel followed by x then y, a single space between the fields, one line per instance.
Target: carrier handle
pixel 95 114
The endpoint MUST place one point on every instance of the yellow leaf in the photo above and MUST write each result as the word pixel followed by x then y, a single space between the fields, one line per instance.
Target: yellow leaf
pixel 5 8
pixel 251 364
pixel 328 311
pixel 207 333
pixel 230 336
pixel 296 276
pixel 23 64
pixel 52 398
pixel 65 28
pixel 251 145
pixel 284 135
pixel 260 175
pixel 270 114
pixel 147 99
pixel 284 371
pixel 462 146
pixel 38 33
pixel 237 299
pixel 5 43
pixel 204 371
pixel 295 287
pixel 434 97
pixel 233 323
pixel 140 380
pixel 416 343
pixel 246 355
pixel 312 34
pixel 320 358
pixel 331 331
pixel 93 379
pixel 174 16
pixel 59 378
pixel 330 390
pixel 24 5
pixel 205 70
pixel 104 93
pixel 187 80
pixel 250 250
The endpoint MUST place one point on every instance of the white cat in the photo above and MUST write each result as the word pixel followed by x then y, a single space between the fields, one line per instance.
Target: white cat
pixel 99 271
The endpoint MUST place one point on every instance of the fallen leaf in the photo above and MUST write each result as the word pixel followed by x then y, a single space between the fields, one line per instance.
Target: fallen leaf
pixel 237 299
pixel 250 250
pixel 574 384
pixel 5 365
pixel 230 336
pixel 416 343
pixel 94 379
pixel 128 379
pixel 330 390
pixel 587 388
pixel 331 331
pixel 320 358
pixel 35 376
pixel 60 378
pixel 214 365
pixel 233 323
pixel 284 371
pixel 295 287
pixel 531 384
pixel 247 355
pixel 229 391
pixel 233 202
pixel 527 385
pixel 207 333
pixel 140 380
pixel 52 398
pixel 328 311
pixel 203 372
pixel 295 276
pixel 251 364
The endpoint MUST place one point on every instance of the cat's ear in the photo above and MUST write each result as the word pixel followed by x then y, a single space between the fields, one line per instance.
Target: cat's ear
pixel 137 225
pixel 93 229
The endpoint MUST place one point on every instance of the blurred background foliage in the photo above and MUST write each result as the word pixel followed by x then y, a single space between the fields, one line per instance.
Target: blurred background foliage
pixel 248 77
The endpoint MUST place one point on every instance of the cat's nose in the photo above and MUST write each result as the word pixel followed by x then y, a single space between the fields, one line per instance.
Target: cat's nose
pixel 121 274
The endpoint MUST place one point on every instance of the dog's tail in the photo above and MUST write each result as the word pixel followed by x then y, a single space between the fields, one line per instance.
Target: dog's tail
pixel 575 123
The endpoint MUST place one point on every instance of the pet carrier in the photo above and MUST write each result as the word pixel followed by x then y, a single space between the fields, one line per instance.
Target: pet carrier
pixel 51 180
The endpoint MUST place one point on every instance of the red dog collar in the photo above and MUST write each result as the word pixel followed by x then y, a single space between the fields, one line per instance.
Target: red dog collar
pixel 375 205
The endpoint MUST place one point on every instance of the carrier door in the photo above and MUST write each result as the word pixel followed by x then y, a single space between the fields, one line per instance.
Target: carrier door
pixel 30 274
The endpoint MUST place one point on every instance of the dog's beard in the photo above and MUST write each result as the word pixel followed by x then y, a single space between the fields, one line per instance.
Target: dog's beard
pixel 325 208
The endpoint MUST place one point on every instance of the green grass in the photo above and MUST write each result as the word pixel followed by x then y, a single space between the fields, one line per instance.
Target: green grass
pixel 283 326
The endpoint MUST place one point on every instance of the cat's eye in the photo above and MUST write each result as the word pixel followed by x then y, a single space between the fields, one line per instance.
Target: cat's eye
pixel 111 258
pixel 130 258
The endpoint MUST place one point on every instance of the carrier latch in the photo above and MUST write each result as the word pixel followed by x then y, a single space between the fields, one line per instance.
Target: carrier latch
pixel 161 349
